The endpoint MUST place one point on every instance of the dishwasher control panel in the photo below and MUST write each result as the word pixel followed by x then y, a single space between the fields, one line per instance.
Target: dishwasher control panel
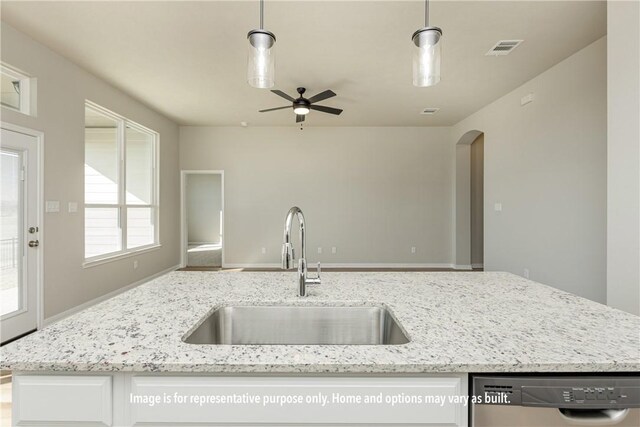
pixel 593 394
pixel 559 392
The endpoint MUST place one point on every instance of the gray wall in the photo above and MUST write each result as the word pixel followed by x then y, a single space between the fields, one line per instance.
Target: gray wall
pixel 477 201
pixel 623 156
pixel 546 163
pixel 462 230
pixel 62 90
pixel 204 204
pixel 373 193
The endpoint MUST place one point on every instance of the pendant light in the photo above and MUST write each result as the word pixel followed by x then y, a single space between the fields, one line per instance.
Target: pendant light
pixel 427 53
pixel 261 58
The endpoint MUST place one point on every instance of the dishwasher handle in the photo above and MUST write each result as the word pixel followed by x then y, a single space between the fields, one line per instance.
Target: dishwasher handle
pixel 593 417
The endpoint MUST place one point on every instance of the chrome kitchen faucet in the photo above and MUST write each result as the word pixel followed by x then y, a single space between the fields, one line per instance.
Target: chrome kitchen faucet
pixel 288 254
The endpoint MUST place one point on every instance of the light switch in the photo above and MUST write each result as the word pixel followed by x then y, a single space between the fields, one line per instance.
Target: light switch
pixel 73 207
pixel 52 206
pixel 319 249
pixel 334 250
pixel 497 207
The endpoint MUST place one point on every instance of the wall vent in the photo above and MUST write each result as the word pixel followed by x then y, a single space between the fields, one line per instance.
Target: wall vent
pixel 429 111
pixel 503 47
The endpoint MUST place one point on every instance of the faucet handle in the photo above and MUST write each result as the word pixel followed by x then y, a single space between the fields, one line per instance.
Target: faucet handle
pixel 314 280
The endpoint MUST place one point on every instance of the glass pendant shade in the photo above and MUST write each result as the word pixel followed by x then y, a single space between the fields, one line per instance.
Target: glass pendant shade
pixel 427 56
pixel 261 59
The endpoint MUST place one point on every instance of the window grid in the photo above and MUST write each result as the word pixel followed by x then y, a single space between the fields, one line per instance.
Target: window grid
pixel 122 206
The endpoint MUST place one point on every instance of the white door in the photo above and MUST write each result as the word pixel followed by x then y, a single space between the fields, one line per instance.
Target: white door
pixel 19 233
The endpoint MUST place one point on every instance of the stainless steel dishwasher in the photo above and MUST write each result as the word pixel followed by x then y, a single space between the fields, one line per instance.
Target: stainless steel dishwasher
pixel 532 401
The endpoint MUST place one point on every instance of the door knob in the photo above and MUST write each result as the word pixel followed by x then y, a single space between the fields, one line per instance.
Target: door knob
pixel 32 230
pixel 34 243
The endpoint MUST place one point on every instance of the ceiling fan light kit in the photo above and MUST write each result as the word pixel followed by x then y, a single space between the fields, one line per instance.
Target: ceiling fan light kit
pixel 261 68
pixel 303 106
pixel 427 53
pixel 301 110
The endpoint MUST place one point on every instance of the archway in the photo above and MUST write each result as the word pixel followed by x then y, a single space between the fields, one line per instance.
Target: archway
pixel 469 201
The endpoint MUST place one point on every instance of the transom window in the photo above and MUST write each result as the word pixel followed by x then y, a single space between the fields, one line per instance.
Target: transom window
pixel 120 185
pixel 16 90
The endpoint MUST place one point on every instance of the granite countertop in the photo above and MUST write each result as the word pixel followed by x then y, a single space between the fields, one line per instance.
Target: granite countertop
pixel 457 322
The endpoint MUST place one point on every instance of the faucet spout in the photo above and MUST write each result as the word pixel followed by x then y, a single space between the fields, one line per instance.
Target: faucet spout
pixel 288 254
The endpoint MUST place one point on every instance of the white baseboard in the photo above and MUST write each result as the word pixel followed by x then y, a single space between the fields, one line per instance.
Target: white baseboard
pixel 312 265
pixel 382 265
pixel 67 313
pixel 462 267
pixel 255 265
pixel 477 265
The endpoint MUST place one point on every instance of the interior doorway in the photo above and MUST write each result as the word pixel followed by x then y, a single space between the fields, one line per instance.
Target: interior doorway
pixel 203 219
pixel 477 203
pixel 469 202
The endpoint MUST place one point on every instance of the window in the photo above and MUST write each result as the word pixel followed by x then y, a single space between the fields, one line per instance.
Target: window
pixel 16 90
pixel 120 185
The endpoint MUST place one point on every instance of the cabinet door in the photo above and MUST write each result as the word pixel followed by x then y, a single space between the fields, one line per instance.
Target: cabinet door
pixel 48 399
pixel 299 400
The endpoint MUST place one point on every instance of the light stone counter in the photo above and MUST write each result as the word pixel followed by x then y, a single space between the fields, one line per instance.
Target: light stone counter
pixel 457 322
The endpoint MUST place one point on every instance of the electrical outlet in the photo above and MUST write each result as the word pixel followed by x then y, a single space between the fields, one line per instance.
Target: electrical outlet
pixel 319 249
pixel 334 250
pixel 73 207
pixel 497 207
pixel 413 249
pixel 526 273
pixel 264 250
pixel 135 264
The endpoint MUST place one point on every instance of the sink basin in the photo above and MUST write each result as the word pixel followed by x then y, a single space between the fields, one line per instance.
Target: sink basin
pixel 272 325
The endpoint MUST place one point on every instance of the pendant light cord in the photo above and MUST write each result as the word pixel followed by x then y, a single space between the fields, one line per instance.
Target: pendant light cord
pixel 426 13
pixel 261 14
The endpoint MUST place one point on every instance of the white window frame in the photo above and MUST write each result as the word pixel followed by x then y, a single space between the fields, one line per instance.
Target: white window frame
pixel 27 90
pixel 122 204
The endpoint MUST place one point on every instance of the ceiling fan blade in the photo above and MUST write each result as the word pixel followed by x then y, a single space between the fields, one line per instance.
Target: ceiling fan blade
pixel 322 96
pixel 324 109
pixel 284 95
pixel 299 118
pixel 273 109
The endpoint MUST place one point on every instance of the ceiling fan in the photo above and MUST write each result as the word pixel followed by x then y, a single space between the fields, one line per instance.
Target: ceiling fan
pixel 302 106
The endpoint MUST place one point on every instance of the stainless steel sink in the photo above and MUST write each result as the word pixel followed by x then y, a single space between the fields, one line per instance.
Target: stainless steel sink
pixel 350 325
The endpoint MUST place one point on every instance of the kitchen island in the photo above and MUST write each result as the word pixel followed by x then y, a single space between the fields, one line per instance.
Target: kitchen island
pixel 457 323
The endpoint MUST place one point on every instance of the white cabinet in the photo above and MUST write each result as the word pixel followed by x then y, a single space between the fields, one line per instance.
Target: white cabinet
pixel 125 399
pixel 298 400
pixel 63 399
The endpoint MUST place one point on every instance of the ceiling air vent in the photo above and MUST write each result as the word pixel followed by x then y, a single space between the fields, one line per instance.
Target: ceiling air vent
pixel 429 111
pixel 503 47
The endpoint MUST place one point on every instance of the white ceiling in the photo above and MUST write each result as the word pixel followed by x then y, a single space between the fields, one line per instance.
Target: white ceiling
pixel 188 59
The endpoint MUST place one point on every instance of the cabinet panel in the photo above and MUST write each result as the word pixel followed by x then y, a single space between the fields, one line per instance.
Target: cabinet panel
pixel 297 400
pixel 58 399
